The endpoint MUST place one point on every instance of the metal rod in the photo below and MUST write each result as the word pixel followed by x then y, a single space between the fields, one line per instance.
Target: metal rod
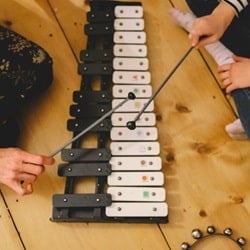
pixel 91 126
pixel 163 84
pixel 124 101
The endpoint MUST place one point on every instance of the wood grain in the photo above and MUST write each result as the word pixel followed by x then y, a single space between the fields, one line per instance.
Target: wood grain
pixel 206 172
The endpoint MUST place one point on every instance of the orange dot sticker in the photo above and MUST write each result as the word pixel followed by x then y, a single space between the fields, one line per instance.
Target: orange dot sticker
pixel 135 77
pixel 144 178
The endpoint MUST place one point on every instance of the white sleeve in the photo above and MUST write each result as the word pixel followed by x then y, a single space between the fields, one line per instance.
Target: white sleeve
pixel 237 5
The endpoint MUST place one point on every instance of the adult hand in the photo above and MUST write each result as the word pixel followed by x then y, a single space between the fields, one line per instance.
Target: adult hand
pixel 18 166
pixel 209 29
pixel 236 75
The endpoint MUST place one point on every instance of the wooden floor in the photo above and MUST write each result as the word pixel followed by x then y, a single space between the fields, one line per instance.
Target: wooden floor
pixel 206 172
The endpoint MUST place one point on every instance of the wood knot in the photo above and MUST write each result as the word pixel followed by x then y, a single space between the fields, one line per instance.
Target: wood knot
pixel 202 148
pixel 203 213
pixel 7 23
pixel 158 118
pixel 236 199
pixel 170 156
pixel 182 109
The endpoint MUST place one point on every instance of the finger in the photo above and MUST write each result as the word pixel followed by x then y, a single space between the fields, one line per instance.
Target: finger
pixel 31 168
pixel 194 39
pixel 224 75
pixel 239 58
pixel 19 189
pixel 230 88
pixel 27 189
pixel 37 159
pixel 26 178
pixel 47 160
pixel 204 40
pixel 224 67
pixel 226 83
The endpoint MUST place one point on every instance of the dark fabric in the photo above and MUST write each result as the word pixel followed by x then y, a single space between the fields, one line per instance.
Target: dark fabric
pixel 237 36
pixel 25 71
pixel 9 132
pixel 237 39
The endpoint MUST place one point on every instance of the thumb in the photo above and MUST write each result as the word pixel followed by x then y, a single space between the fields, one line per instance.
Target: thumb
pixel 194 39
pixel 17 187
pixel 29 189
pixel 47 160
pixel 22 189
pixel 239 58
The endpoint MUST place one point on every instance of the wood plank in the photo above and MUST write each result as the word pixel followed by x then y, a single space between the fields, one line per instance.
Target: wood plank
pixel 192 135
pixel 9 238
pixel 44 129
pixel 207 57
pixel 206 172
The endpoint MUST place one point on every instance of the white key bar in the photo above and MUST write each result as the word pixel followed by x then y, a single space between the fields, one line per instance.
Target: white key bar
pixel 134 24
pixel 134 163
pixel 121 63
pixel 123 11
pixel 136 179
pixel 133 105
pixel 137 209
pixel 126 50
pixel 137 193
pixel 141 91
pixel 138 134
pixel 121 119
pixel 134 148
pixel 134 37
pixel 131 77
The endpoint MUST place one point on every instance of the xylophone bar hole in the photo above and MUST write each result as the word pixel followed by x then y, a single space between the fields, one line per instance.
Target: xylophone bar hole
pixel 84 185
pixel 90 140
pixel 96 83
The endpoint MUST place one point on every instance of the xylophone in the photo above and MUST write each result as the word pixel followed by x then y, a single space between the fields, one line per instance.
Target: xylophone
pixel 125 164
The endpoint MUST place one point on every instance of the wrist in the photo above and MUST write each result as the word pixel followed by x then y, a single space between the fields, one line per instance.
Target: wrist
pixel 225 13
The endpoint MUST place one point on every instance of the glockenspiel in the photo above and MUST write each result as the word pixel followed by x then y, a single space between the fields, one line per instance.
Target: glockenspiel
pixel 125 164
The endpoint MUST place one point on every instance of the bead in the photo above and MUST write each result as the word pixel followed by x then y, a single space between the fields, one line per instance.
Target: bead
pixel 131 125
pixel 228 231
pixel 241 241
pixel 185 246
pixel 196 233
pixel 131 96
pixel 211 229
